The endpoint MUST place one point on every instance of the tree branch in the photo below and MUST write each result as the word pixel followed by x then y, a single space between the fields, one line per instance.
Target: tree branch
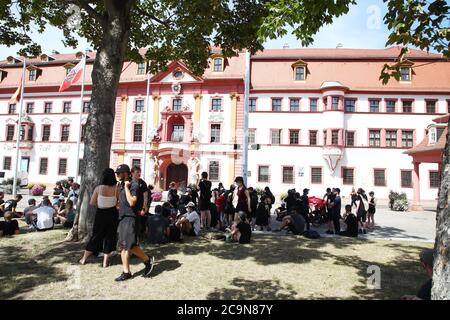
pixel 148 15
pixel 90 11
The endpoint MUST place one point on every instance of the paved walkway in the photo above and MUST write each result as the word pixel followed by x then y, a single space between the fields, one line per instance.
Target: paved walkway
pixel 390 225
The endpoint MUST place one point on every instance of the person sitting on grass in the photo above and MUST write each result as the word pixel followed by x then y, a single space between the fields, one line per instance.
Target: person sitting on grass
pixel 44 216
pixel 352 223
pixel 427 260
pixel 294 222
pixel 281 212
pixel 28 211
pixel 11 205
pixel 9 227
pixel 189 223
pixel 241 231
pixel 158 227
pixel 66 215
pixel 2 201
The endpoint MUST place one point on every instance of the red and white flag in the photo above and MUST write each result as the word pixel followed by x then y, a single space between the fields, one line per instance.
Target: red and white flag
pixel 17 95
pixel 73 75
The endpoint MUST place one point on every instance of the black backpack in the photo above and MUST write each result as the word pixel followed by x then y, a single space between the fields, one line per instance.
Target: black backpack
pixel 175 234
pixel 311 234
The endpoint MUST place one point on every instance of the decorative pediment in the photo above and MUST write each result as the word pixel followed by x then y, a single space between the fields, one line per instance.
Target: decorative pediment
pixel 65 121
pixel 46 121
pixel 299 63
pixel 216 117
pixel 45 147
pixel 139 117
pixel 172 74
pixel 11 121
pixel 406 63
pixel 63 148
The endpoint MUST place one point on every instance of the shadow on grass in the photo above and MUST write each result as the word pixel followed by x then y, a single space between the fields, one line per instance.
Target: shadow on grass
pixel 20 274
pixel 392 232
pixel 242 289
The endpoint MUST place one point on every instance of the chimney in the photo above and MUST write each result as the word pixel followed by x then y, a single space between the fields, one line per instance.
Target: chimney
pixel 286 46
pixel 339 45
pixel 55 52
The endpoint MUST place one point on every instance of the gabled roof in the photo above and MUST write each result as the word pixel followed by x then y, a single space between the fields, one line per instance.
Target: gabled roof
pixel 174 65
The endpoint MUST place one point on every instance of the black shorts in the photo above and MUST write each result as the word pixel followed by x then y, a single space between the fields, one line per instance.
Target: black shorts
pixel 362 216
pixel 128 233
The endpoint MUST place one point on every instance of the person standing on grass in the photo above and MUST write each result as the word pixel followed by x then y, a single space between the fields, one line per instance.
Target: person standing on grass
pixel 263 213
pixel 361 214
pixel 336 210
pixel 104 235
pixel 242 198
pixel 353 197
pixel 303 206
pixel 129 224
pixel 371 211
pixel 229 207
pixel 173 198
pixel 328 197
pixel 204 202
pixel 142 199
pixel 253 206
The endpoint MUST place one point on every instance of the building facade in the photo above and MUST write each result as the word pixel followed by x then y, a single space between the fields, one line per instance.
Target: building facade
pixel 318 118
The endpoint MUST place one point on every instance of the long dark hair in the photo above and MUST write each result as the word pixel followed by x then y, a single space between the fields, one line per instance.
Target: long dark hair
pixel 109 177
pixel 241 180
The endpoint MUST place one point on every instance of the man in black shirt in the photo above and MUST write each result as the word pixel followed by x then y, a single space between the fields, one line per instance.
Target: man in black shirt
pixel 11 205
pixel 205 200
pixel 158 227
pixel 142 197
pixel 129 224
pixel 352 223
pixel 427 260
pixel 304 207
pixel 9 227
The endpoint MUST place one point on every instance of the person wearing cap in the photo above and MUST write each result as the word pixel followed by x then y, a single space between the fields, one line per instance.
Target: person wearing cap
pixel 189 223
pixel 129 224
pixel 424 293
pixel 241 230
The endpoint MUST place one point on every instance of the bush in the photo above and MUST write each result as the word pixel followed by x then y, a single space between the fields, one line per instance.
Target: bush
pixel 37 190
pixel 398 201
pixel 30 186
pixel 156 196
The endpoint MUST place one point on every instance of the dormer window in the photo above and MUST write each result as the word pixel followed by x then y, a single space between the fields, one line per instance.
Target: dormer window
pixel 12 60
pixel 299 70
pixel 178 74
pixel 141 68
pixel 45 58
pixel 3 74
pixel 299 73
pixel 405 73
pixel 33 73
pixel 80 55
pixel 218 64
pixel 68 67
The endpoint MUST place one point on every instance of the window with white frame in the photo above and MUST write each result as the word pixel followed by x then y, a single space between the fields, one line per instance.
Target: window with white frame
pixel 263 174
pixel 215 132
pixel 275 135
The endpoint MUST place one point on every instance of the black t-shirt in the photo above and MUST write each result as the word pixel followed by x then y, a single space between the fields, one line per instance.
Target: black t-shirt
pixel 205 190
pixel 425 290
pixel 142 189
pixel 352 225
pixel 9 227
pixel 297 223
pixel 156 228
pixel 337 206
pixel 10 204
pixel 290 202
pixel 246 232
pixel 124 207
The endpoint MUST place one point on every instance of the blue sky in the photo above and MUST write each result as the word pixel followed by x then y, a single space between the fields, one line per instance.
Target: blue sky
pixel 362 27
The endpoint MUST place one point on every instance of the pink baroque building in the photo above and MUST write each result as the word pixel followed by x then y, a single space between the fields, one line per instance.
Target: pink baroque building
pixel 320 117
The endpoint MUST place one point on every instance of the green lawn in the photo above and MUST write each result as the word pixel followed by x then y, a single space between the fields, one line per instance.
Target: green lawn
pixel 41 266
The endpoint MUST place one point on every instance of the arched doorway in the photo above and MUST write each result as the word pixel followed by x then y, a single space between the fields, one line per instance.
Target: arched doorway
pixel 177 173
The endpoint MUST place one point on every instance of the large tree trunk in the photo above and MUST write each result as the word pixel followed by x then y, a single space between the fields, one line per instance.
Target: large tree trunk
pixel 441 269
pixel 99 126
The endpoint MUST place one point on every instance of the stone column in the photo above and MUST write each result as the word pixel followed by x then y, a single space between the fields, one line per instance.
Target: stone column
pixel 416 186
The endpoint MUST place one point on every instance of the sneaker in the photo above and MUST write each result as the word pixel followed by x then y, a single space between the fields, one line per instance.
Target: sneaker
pixel 124 276
pixel 149 266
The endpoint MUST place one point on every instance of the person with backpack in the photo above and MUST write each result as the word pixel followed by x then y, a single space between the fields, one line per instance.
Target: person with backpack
pixel 204 202
pixel 371 211
pixel 158 227
pixel 361 214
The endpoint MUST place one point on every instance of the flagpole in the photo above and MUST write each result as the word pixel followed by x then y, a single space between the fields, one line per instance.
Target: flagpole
pixel 77 162
pixel 18 129
pixel 147 112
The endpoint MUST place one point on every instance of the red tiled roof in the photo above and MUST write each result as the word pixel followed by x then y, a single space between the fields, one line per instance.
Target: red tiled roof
pixel 425 147
pixel 341 53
